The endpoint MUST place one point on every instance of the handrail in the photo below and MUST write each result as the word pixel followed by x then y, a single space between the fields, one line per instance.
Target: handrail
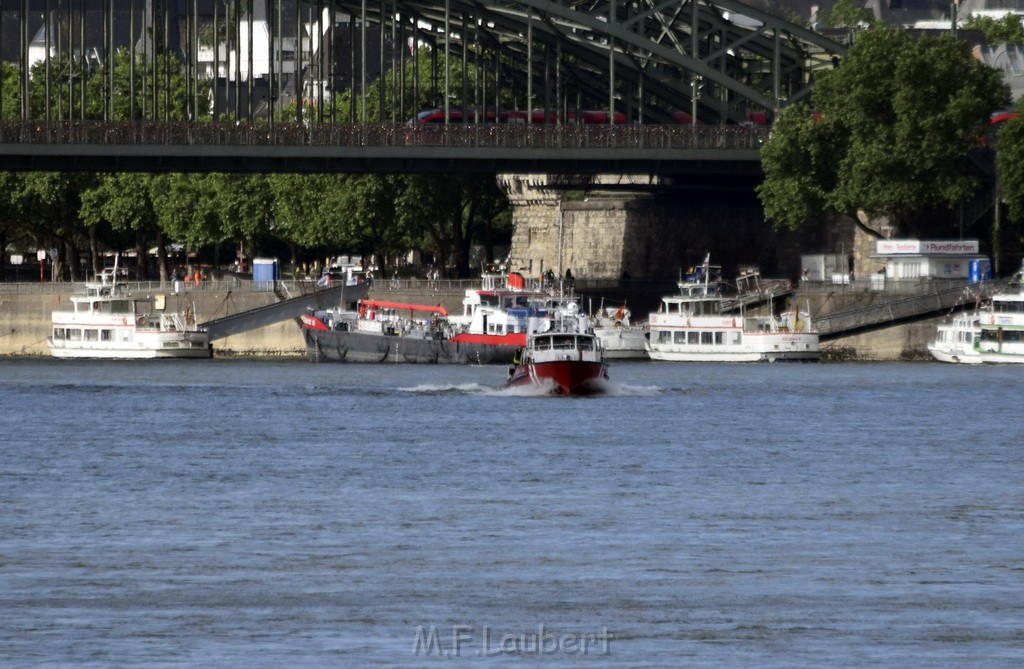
pixel 885 312
pixel 537 136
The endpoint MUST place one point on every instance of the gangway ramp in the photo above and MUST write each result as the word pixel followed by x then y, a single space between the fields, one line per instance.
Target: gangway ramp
pixel 259 317
pixel 927 305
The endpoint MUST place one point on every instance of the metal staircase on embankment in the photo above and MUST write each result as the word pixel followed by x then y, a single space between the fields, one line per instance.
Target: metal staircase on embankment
pixel 292 307
pixel 916 307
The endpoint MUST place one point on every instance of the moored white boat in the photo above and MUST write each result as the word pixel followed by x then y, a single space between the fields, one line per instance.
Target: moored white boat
pixel 955 339
pixel 695 326
pixel 1001 324
pixel 620 337
pixel 563 355
pixel 109 322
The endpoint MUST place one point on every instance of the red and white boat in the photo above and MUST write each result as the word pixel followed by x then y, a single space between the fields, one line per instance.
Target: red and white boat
pixel 502 311
pixel 494 325
pixel 565 356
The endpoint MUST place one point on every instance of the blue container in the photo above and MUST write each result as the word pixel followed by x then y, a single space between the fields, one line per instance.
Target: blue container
pixel 264 273
pixel 978 270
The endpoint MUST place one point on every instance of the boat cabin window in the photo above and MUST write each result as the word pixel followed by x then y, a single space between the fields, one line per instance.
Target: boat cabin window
pixel 705 309
pixel 91 335
pixel 74 334
pixel 680 337
pixel 1002 335
pixel 664 336
pixel 59 333
pixel 1009 307
pixel 564 341
pixel 706 337
pixel 693 338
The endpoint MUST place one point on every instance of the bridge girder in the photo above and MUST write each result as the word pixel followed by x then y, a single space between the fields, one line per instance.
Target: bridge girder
pixel 651 57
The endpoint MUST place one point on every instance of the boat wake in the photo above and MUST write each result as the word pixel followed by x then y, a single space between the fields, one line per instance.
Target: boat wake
pixel 448 389
pixel 607 389
pixel 613 389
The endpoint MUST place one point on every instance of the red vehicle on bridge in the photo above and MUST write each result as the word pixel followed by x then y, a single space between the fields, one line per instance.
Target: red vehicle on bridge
pixel 537 116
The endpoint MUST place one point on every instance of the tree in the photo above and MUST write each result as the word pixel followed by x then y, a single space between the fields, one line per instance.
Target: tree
pixel 1010 170
pixel 367 213
pixel 1007 30
pixel 125 201
pixel 50 204
pixel 846 14
pixel 449 213
pixel 893 127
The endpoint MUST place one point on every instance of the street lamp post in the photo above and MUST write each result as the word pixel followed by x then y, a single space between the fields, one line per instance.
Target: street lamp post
pixel 695 84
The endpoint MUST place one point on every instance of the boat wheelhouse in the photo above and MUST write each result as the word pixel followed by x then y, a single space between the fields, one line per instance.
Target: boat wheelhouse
pixel 955 339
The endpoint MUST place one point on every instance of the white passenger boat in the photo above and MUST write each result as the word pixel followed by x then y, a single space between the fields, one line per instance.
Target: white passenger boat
pixel 620 337
pixel 109 322
pixel 1001 324
pixel 955 339
pixel 696 326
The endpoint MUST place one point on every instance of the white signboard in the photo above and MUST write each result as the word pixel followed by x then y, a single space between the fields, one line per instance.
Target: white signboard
pixel 17 259
pixel 891 247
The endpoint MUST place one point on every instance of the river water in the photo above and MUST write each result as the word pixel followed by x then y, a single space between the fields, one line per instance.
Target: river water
pixel 279 513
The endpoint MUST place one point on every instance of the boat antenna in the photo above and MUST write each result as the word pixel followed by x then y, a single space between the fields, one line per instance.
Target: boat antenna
pixel 707 271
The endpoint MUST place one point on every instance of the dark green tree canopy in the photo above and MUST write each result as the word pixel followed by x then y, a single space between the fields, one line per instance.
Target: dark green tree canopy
pixel 889 134
pixel 846 14
pixel 1007 30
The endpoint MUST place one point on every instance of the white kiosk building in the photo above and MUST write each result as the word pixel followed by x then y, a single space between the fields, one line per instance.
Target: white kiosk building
pixel 914 259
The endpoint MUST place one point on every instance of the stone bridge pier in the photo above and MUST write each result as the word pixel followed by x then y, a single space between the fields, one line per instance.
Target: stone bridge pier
pixel 638 227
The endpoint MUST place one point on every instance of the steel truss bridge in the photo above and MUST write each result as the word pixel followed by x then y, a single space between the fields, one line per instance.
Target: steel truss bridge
pixel 685 74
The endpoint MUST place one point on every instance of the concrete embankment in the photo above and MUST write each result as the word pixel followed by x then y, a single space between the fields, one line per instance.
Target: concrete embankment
pixel 896 336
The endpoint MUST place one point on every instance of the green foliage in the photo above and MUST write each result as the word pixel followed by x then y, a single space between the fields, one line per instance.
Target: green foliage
pixel 1005 30
pixel 846 14
pixel 10 92
pixel 897 119
pixel 1010 166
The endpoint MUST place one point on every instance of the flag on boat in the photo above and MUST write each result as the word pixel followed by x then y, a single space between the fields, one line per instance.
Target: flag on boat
pixel 324 281
pixel 707 263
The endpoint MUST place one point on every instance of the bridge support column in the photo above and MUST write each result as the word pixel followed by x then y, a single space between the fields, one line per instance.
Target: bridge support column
pixel 587 224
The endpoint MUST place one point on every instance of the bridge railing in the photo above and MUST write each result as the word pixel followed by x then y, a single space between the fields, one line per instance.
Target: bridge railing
pixel 540 136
